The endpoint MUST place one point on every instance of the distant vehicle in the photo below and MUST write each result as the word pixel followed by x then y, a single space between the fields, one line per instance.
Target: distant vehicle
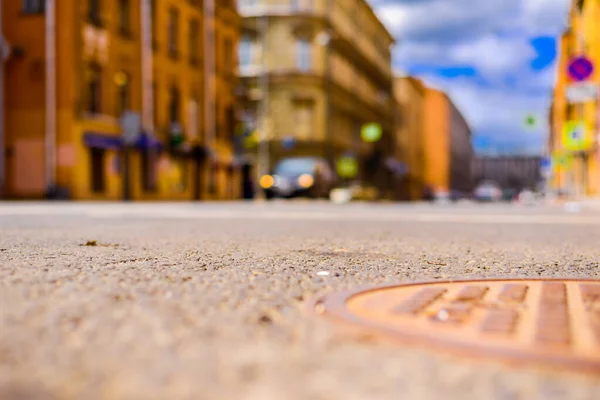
pixel 299 176
pixel 527 197
pixel 509 194
pixel 457 195
pixel 488 191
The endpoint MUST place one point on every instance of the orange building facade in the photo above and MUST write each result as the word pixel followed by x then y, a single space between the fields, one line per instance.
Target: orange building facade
pixel 76 68
pixel 434 140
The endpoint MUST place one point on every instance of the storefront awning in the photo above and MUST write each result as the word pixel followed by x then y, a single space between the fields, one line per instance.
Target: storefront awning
pixel 112 142
pixel 102 141
pixel 148 142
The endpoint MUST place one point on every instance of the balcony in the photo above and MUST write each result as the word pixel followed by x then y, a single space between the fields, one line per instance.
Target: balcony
pixel 254 8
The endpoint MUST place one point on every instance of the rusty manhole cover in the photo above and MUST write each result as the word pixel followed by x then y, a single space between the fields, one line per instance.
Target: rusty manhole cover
pixel 550 322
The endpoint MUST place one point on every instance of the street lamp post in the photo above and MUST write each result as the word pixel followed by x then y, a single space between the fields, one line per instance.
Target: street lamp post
pixel 130 129
pixel 263 158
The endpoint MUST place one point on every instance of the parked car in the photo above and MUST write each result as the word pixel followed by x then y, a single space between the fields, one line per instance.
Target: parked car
pixel 299 176
pixel 528 197
pixel 488 191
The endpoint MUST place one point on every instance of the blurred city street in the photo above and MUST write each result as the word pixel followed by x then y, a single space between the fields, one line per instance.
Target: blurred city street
pixel 209 301
pixel 202 199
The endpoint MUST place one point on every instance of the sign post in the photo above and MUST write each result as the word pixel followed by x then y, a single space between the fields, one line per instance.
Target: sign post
pixel 131 125
pixel 582 92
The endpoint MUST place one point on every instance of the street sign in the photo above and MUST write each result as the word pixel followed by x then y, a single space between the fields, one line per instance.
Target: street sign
pixel 582 92
pixel 482 142
pixel 347 167
pixel 288 142
pixel 561 161
pixel 580 68
pixel 546 166
pixel 131 126
pixel 545 163
pixel 371 132
pixel 575 136
pixel 251 140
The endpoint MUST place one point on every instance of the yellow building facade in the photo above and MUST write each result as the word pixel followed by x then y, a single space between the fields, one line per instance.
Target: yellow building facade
pixel 576 166
pixel 410 94
pixel 77 68
pixel 313 73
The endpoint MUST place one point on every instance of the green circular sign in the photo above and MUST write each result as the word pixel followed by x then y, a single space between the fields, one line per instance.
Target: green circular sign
pixel 347 167
pixel 371 132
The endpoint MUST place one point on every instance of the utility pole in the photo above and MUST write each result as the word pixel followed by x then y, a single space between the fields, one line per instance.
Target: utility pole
pixel 146 67
pixel 50 142
pixel 147 87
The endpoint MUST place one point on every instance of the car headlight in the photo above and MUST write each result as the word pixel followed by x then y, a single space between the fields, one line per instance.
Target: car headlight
pixel 305 181
pixel 266 181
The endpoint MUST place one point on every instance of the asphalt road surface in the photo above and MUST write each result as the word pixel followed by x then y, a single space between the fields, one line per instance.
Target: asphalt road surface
pixel 208 301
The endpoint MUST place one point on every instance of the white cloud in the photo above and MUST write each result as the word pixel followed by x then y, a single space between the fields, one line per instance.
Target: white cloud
pixel 492 36
pixel 493 55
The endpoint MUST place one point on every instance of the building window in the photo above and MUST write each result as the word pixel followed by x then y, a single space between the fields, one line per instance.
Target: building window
pixel 580 4
pixel 124 18
pixel 304 118
pixel 194 42
pixel 94 12
pixel 174 102
pixel 123 81
pixel 94 89
pixel 34 6
pixel 230 123
pixel 245 51
pixel 303 54
pixel 173 33
pixel 192 111
pixel 97 170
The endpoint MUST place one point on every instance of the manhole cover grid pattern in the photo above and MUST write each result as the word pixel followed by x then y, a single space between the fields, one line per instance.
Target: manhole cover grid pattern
pixel 556 319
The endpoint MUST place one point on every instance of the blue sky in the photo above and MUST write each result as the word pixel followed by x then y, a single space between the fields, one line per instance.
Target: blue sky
pixel 495 58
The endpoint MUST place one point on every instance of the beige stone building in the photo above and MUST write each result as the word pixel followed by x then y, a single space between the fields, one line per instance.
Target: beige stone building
pixel 314 72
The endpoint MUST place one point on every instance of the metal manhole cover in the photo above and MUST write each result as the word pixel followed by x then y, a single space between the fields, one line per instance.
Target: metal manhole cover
pixel 551 322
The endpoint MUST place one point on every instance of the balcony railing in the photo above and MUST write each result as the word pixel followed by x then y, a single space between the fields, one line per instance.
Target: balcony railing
pixel 261 7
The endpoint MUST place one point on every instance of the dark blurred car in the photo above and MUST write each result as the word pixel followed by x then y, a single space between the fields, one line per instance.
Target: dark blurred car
pixel 509 194
pixel 488 191
pixel 299 176
pixel 457 195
